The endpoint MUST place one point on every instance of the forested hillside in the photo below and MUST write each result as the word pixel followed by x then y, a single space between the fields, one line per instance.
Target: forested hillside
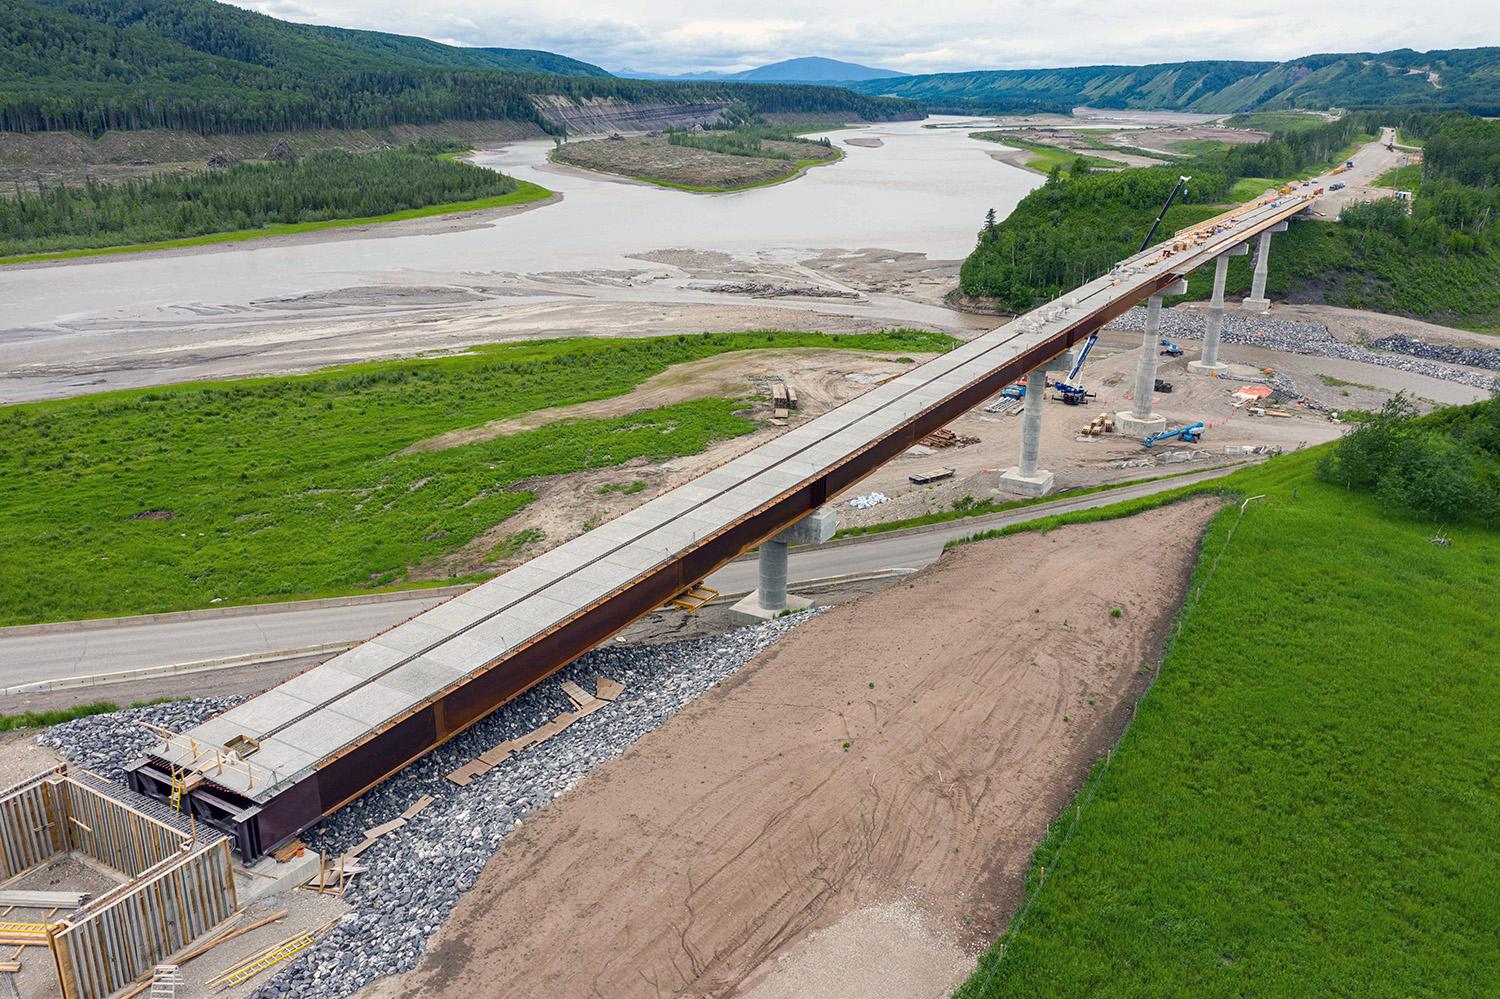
pixel 197 65
pixel 1440 262
pixel 1462 78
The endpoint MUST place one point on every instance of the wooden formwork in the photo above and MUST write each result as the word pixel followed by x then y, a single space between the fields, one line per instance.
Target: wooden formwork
pixel 29 831
pixel 179 887
pixel 113 941
pixel 114 833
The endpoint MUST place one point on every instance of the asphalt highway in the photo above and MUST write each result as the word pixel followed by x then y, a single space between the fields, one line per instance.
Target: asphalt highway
pixel 68 655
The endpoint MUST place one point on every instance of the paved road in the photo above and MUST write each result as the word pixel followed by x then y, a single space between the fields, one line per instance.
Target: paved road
pixel 69 654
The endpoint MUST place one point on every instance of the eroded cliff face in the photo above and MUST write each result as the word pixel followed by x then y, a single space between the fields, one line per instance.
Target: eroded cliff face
pixel 605 114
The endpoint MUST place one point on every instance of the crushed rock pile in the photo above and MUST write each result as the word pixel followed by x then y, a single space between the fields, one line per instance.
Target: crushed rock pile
pixel 1473 357
pixel 1297 338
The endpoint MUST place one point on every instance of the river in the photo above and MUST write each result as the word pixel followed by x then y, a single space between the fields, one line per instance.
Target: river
pixel 923 191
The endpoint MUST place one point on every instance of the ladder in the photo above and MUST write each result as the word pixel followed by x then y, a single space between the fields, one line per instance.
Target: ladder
pixel 694 597
pixel 274 956
pixel 178 786
pixel 164 981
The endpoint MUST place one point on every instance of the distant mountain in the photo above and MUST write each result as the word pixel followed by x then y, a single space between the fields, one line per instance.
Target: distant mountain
pixel 808 69
pixel 1464 78
pixel 196 65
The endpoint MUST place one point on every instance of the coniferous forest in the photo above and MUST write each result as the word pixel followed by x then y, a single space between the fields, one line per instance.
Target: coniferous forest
pixel 326 185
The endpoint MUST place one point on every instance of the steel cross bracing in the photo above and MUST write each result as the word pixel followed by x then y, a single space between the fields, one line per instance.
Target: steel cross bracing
pixel 340 727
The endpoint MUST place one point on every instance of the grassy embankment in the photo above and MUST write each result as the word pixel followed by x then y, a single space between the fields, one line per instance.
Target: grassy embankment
pixel 711 162
pixel 328 190
pixel 267 489
pixel 967 506
pixel 1403 178
pixel 1277 121
pixel 1307 797
pixel 46 719
pixel 1042 157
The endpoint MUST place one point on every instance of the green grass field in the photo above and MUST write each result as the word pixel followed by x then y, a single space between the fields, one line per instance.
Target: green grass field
pixel 524 194
pixel 1276 121
pixel 1307 800
pixel 1044 157
pixel 1197 147
pixel 244 491
pixel 1248 189
pixel 1406 178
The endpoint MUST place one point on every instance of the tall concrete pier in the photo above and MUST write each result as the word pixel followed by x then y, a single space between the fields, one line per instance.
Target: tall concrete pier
pixel 1213 326
pixel 1140 420
pixel 1257 302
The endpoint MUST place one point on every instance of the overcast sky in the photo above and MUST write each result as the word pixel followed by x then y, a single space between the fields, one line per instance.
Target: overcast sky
pixel 673 36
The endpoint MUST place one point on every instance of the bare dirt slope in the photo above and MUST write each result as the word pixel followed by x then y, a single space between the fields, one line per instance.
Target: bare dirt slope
pixel 864 766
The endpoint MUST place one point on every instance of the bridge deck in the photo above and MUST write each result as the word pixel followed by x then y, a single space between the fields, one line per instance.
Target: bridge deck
pixel 336 729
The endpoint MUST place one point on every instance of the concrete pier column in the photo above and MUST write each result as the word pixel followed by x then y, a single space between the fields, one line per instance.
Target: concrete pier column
pixel 1024 478
pixel 1140 420
pixel 770 597
pixel 1257 302
pixel 771 592
pixel 1213 323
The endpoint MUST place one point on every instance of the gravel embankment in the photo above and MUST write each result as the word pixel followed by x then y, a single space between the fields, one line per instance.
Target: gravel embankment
pixel 1473 357
pixel 418 872
pixel 1304 338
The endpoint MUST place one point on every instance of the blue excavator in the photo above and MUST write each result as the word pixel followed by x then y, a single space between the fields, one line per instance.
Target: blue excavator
pixel 1169 349
pixel 1190 435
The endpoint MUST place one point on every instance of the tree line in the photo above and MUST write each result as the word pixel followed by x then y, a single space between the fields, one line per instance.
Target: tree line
pixel 60 70
pixel 1440 258
pixel 326 185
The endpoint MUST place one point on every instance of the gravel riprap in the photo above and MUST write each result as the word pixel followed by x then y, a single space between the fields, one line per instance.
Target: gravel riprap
pixel 106 743
pixel 418 872
pixel 1473 357
pixel 1299 338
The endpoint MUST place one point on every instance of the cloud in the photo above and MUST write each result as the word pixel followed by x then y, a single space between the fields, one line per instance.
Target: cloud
pixel 674 36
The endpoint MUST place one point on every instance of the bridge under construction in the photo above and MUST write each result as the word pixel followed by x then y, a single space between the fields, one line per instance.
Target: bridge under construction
pixel 270 767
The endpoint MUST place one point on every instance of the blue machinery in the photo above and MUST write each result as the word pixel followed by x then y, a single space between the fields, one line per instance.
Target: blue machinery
pixel 1189 435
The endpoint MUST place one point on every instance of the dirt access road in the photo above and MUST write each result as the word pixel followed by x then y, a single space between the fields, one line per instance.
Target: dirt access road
pixel 864 780
pixel 1370 161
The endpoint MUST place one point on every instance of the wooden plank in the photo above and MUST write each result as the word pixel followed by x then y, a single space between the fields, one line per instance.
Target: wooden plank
pixel 289 851
pixel 576 694
pixel 417 806
pixel 607 689
pixel 17 898
pixel 375 832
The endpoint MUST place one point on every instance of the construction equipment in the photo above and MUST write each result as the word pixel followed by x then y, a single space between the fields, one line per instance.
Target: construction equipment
pixel 1162 387
pixel 1189 435
pixel 934 475
pixel 1067 389
pixel 1180 188
pixel 1169 349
